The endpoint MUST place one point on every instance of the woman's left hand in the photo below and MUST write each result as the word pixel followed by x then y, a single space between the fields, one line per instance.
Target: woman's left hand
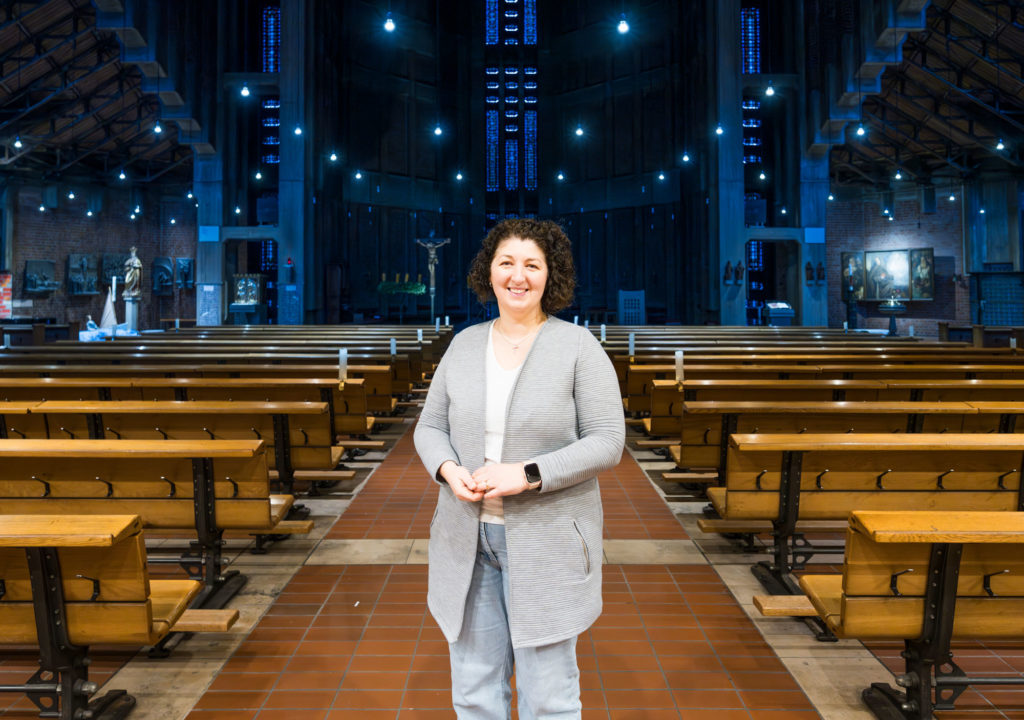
pixel 501 479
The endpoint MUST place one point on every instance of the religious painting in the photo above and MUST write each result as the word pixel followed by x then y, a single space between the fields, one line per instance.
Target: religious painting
pixel 887 275
pixel 185 277
pixel 853 275
pixel 922 274
pixel 40 276
pixel 163 277
pixel 112 266
pixel 6 298
pixel 82 274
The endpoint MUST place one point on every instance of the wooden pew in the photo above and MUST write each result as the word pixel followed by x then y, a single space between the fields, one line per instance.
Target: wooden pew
pixel 706 426
pixel 297 435
pixel 72 582
pixel 207 486
pixel 926 579
pixel 784 478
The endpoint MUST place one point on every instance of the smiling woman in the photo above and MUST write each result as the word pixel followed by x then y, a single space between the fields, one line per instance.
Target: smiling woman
pixel 522 414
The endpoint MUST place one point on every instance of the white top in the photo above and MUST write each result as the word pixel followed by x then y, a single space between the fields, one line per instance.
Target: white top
pixel 499 387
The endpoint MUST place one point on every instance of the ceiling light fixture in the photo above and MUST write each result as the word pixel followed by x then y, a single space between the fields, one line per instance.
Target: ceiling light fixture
pixel 244 92
pixel 389 23
pixel 17 142
pixel 623 25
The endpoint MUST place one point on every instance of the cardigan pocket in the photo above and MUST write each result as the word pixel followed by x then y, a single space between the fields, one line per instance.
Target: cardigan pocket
pixel 586 550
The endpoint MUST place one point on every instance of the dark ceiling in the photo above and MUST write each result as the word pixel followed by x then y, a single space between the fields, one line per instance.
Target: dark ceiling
pixel 73 103
pixel 958 92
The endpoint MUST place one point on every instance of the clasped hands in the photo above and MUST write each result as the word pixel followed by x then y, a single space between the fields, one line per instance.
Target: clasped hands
pixel 490 481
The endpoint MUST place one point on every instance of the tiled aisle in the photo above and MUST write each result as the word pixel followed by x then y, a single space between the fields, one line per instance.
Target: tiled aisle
pixel 349 640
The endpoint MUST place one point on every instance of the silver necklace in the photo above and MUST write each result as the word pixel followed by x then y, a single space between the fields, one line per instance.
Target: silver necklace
pixel 516 343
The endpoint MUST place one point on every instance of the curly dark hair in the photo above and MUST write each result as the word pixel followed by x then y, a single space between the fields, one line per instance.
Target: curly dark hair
pixel 552 241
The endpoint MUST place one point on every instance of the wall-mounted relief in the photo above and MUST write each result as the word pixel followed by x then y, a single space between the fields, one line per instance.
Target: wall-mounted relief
pixel 113 266
pixel 40 276
pixel 82 274
pixel 186 275
pixel 163 277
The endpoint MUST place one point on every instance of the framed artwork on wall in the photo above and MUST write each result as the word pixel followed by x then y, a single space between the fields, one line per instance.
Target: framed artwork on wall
pixel 853 275
pixel 922 274
pixel 6 285
pixel 887 275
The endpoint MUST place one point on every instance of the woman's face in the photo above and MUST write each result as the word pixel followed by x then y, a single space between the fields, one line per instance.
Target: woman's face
pixel 519 273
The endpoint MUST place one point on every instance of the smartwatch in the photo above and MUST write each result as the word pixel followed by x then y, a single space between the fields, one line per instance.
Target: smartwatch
pixel 533 481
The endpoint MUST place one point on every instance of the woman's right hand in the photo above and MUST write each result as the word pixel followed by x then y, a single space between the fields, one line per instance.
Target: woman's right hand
pixel 461 481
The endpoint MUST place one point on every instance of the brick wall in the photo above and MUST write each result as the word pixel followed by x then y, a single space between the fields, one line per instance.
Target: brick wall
pixel 57 232
pixel 857 226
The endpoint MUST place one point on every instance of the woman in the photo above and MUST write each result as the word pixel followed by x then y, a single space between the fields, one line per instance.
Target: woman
pixel 522 414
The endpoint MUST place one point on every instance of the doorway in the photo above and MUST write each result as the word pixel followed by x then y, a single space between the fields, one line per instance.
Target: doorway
pixel 772 275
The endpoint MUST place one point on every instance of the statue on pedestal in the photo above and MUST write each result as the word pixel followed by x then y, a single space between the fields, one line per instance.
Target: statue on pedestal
pixel 132 276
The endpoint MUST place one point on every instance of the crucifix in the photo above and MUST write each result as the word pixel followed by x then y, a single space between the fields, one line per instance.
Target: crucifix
pixel 432 245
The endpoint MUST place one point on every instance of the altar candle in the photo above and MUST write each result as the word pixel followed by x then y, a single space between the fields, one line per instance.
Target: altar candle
pixel 586 324
pixel 1013 343
pixel 342 364
pixel 602 332
pixel 679 366
pixel 846 326
pixel 394 346
pixel 575 319
pixel 446 321
pixel 632 344
pixel 419 335
pixel 177 323
pixel 437 324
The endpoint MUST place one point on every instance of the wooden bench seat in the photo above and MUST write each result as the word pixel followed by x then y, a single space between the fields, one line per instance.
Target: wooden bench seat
pixel 102 595
pixel 207 486
pixel 926 579
pixel 786 478
pixel 297 435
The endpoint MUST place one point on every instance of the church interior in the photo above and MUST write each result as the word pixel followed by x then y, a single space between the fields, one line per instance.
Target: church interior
pixel 234 245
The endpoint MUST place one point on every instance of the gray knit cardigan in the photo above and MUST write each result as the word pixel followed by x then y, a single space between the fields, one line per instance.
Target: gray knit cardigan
pixel 565 414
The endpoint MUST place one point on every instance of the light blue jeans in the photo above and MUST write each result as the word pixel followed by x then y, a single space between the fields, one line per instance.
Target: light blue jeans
pixel 547 678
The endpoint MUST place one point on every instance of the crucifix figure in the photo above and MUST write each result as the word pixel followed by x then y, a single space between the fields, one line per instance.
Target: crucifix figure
pixel 432 245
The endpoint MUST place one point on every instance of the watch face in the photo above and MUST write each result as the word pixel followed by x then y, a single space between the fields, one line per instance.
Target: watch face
pixel 532 472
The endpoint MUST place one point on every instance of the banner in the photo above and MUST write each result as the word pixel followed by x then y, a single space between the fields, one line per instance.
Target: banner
pixel 6 308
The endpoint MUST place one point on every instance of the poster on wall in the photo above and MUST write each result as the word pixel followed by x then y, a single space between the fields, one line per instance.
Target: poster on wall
pixel 6 307
pixel 922 273
pixel 853 275
pixel 887 275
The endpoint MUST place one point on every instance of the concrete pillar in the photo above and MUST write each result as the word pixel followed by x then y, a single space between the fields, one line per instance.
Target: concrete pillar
pixel 726 194
pixel 295 207
pixel 208 191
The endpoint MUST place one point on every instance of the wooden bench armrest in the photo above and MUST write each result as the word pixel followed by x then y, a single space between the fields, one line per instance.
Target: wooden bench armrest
pixel 894 526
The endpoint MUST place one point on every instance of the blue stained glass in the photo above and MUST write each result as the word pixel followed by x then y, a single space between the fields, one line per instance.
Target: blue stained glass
pixel 511 128
pixel 491 99
pixel 271 122
pixel 530 85
pixel 271 159
pixel 491 70
pixel 511 113
pixel 512 85
pixel 271 103
pixel 751 104
pixel 511 41
pixel 492 150
pixel 512 27
pixel 750 39
pixel 271 39
pixel 530 70
pixel 511 99
pixel 492 85
pixel 529 22
pixel 511 71
pixel 511 164
pixel 530 100
pixel 271 140
pixel 511 13
pixel 491 32
pixel 530 149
